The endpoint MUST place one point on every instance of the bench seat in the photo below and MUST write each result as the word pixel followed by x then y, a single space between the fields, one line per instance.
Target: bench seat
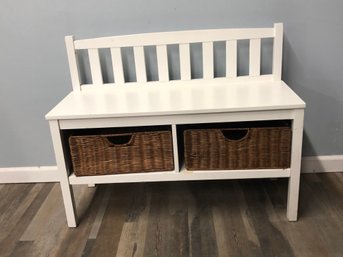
pixel 171 98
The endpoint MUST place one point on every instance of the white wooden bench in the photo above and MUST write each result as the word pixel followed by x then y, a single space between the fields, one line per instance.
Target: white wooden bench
pixel 232 98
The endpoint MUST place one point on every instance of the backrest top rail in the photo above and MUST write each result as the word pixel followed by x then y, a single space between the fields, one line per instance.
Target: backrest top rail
pixel 175 37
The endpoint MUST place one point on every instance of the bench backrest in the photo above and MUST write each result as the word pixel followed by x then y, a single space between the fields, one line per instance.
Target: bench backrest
pixel 183 39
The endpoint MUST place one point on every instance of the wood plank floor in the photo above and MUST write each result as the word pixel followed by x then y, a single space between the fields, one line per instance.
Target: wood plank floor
pixel 212 218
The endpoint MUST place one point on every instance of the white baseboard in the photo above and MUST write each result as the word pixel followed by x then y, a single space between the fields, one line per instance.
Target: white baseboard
pixel 323 163
pixel 29 174
pixel 311 164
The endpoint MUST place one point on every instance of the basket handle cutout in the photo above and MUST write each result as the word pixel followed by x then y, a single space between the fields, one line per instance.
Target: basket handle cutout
pixel 120 140
pixel 235 134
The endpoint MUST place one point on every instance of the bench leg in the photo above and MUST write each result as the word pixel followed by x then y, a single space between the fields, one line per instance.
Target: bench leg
pixel 67 190
pixel 69 203
pixel 293 197
pixel 294 180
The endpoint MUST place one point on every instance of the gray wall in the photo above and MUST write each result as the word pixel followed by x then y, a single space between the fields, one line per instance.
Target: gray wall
pixel 34 74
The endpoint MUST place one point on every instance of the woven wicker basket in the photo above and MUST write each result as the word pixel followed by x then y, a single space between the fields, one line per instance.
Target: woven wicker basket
pixel 243 148
pixel 121 153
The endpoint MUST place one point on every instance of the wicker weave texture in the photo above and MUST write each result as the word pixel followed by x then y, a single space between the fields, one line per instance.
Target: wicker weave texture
pixel 102 154
pixel 255 148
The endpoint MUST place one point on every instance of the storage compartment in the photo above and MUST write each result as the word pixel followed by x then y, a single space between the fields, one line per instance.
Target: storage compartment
pixel 115 153
pixel 237 147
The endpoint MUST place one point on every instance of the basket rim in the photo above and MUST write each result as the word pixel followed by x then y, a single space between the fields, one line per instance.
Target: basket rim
pixel 119 134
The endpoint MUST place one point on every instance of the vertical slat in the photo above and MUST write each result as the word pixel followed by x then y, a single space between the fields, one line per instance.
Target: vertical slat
pixel 255 57
pixel 140 63
pixel 117 64
pixel 207 58
pixel 277 51
pixel 94 62
pixel 231 58
pixel 185 62
pixel 162 63
pixel 74 71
